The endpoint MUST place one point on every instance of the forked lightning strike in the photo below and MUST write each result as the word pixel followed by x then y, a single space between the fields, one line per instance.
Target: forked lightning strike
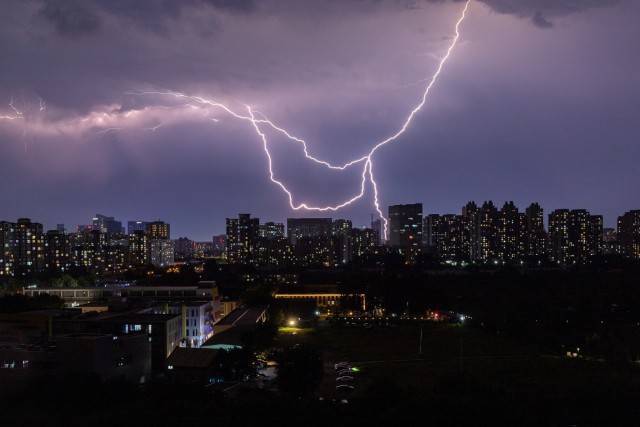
pixel 257 122
pixel 367 159
pixel 367 170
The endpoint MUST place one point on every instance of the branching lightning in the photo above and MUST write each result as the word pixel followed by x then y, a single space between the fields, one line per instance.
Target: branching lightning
pixel 367 159
pixel 259 121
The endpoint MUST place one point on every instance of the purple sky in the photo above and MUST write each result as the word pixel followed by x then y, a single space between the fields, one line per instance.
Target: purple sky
pixel 540 101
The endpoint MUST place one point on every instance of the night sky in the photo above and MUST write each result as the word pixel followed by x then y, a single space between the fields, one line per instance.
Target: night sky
pixel 540 101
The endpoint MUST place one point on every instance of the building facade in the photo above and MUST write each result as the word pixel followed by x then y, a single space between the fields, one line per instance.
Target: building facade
pixel 405 229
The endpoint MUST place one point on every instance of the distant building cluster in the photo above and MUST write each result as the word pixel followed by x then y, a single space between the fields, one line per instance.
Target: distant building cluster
pixel 486 234
pixel 101 247
pixel 480 234
pixel 307 242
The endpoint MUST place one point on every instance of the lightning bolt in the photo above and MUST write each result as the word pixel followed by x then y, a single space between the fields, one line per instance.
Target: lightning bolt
pixel 366 159
pixel 17 113
pixel 154 128
pixel 259 122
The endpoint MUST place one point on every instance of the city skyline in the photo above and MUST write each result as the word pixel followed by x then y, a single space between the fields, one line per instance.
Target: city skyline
pixel 191 167
pixel 220 228
pixel 240 212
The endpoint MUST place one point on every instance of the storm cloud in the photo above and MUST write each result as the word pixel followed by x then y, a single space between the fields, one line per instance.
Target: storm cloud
pixel 518 113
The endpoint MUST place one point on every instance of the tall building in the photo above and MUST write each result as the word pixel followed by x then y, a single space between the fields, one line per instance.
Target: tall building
pixel 133 226
pixel 443 236
pixel 430 230
pixel 535 237
pixel 487 233
pixel 559 246
pixel 376 226
pixel 308 227
pixel 138 254
pixel 312 240
pixel 183 249
pixel 342 240
pixel 610 244
pixel 364 242
pixel 7 243
pixel 511 225
pixel 469 229
pixel 271 230
pixel 575 236
pixel 219 244
pixel 274 252
pixel 158 230
pixel 161 252
pixel 88 249
pixel 57 252
pixel 629 234
pixel 405 223
pixel 242 237
pixel 107 224
pixel 28 247
pixel 449 238
pixel 116 257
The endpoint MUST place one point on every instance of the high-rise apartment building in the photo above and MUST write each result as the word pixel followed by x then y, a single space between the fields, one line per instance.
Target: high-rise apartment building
pixel 487 233
pixel 242 237
pixel 28 247
pixel 271 230
pixel 133 226
pixel 575 236
pixel 7 243
pixel 405 229
pixel 57 252
pixel 158 230
pixel 510 233
pixel 161 252
pixel 469 228
pixel 107 224
pixel 342 240
pixel 535 237
pixel 628 234
pixel 312 240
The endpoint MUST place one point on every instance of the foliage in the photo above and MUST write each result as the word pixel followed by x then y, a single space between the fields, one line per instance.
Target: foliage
pixel 64 281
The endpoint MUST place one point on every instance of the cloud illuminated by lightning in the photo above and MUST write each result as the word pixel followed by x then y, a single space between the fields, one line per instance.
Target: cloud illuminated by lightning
pixel 367 159
pixel 109 118
pixel 17 114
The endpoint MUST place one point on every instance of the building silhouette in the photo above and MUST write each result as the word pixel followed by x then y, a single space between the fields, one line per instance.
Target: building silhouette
pixel 405 234
pixel 242 238
pixel 628 234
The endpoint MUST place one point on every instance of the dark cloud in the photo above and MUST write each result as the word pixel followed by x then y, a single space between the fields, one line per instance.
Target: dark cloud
pixel 70 18
pixel 76 18
pixel 541 21
pixel 542 12
pixel 244 6
pixel 517 113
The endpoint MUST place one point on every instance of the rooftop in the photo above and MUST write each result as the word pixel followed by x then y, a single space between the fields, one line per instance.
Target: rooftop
pixel 192 357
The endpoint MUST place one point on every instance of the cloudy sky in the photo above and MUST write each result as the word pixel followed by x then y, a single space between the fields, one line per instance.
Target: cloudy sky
pixel 539 101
